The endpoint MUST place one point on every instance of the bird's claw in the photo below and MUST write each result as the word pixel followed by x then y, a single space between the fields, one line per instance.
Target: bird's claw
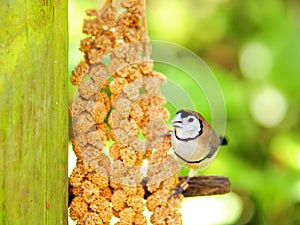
pixel 167 134
pixel 178 192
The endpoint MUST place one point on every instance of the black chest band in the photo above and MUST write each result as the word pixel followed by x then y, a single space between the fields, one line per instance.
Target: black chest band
pixel 197 161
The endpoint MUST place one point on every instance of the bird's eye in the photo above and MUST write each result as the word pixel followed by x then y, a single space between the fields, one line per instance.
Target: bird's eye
pixel 191 120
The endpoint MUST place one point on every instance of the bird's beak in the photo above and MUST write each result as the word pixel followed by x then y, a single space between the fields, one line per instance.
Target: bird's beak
pixel 177 122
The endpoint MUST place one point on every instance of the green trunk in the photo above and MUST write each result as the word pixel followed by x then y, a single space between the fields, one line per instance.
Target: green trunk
pixel 33 112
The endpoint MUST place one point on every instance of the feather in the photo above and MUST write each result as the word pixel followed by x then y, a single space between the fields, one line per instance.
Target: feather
pixel 223 140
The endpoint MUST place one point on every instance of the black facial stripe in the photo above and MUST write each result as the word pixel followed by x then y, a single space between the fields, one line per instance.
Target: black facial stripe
pixel 201 126
pixel 188 139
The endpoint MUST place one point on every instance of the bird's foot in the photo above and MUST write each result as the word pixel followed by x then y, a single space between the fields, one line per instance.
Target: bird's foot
pixel 178 191
pixel 166 135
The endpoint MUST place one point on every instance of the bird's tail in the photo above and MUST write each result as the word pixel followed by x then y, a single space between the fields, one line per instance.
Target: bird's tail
pixel 223 140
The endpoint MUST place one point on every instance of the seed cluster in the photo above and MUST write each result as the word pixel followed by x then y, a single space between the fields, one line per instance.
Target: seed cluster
pixel 119 102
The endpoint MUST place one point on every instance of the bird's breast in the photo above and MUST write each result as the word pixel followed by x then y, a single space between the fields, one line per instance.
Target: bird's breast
pixel 192 150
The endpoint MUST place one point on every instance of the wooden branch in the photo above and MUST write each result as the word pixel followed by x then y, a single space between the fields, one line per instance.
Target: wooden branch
pixel 206 185
pixel 198 186
pixel 203 186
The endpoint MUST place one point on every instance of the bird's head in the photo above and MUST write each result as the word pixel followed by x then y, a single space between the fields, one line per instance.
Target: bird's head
pixel 188 124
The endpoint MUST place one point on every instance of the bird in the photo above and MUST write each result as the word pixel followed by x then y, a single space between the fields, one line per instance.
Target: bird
pixel 194 142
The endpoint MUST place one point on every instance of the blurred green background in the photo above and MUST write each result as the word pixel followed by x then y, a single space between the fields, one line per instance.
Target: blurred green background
pixel 253 48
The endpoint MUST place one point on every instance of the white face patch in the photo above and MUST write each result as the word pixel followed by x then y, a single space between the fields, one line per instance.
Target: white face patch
pixel 191 126
pixel 187 126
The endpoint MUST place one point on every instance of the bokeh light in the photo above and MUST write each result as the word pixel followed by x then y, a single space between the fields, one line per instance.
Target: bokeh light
pixel 211 210
pixel 255 60
pixel 268 107
pixel 286 150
